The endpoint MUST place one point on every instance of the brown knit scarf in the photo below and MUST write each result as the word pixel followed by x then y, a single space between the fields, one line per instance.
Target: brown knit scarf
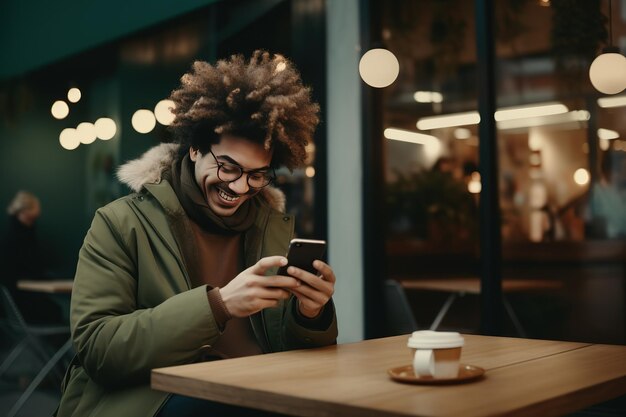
pixel 182 178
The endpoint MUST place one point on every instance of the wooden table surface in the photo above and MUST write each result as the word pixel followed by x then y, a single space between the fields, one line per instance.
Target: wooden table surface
pixel 523 377
pixel 54 286
pixel 472 285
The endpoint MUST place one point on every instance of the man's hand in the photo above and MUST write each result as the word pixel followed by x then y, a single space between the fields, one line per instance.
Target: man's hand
pixel 251 291
pixel 317 291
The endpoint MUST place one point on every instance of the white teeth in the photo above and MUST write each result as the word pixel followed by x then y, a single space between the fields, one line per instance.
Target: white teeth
pixel 226 197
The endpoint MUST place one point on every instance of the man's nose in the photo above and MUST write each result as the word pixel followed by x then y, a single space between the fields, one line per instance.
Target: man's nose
pixel 240 185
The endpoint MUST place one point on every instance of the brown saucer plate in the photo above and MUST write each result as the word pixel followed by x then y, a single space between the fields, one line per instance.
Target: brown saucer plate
pixel 405 374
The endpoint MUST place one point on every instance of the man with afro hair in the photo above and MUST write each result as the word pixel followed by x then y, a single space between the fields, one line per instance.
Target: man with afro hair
pixel 184 269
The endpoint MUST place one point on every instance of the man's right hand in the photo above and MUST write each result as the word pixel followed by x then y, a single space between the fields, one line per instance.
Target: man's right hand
pixel 251 291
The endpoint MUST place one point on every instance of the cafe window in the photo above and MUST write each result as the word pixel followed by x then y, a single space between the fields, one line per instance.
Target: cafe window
pixel 561 150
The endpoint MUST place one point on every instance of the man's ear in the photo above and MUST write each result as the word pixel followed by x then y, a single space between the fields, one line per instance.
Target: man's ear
pixel 193 154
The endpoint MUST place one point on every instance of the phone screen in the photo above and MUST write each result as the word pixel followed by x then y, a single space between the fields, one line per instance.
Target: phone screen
pixel 302 253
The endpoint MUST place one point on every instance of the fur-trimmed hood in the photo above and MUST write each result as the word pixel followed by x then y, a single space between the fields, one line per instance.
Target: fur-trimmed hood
pixel 149 168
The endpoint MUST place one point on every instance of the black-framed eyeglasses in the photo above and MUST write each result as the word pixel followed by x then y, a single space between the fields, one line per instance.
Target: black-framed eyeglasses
pixel 256 178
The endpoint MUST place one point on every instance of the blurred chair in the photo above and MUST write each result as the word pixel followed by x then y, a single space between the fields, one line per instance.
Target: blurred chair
pixel 32 337
pixel 398 314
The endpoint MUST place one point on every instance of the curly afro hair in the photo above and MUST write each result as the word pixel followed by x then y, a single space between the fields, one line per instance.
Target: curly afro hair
pixel 261 99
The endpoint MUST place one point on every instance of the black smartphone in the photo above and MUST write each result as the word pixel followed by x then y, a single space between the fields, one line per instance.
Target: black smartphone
pixel 302 253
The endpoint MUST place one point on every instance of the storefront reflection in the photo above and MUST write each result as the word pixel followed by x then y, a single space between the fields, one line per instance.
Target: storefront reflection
pixel 561 160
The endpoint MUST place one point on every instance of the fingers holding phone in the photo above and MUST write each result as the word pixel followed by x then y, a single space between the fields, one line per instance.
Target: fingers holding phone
pixel 305 264
pixel 325 271
pixel 317 289
pixel 251 291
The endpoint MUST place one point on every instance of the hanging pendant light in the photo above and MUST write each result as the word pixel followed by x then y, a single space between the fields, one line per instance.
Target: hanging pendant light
pixel 608 71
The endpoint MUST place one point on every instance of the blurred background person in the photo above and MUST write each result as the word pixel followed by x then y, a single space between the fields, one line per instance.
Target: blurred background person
pixel 608 199
pixel 24 259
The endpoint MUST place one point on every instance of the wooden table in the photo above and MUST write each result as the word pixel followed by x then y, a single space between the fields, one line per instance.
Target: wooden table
pixel 56 286
pixel 523 377
pixel 459 287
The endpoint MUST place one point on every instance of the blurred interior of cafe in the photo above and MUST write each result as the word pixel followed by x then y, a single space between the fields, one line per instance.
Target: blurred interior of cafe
pixel 560 150
pixel 393 179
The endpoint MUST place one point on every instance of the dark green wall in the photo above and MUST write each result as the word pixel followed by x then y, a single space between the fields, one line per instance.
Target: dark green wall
pixel 35 33
pixel 31 159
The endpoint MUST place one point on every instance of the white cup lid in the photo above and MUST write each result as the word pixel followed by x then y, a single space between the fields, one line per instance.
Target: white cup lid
pixel 429 339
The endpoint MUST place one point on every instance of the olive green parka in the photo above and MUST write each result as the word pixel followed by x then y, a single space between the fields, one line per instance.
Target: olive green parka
pixel 133 308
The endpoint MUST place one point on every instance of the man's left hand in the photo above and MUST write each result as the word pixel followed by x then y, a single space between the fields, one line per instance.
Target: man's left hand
pixel 316 292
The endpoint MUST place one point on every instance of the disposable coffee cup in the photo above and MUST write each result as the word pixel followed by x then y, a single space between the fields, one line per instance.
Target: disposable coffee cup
pixel 436 354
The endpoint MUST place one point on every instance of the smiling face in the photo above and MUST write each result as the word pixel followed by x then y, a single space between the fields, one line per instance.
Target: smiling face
pixel 224 198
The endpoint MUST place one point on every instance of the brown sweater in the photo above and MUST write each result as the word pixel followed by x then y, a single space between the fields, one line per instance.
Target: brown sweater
pixel 219 262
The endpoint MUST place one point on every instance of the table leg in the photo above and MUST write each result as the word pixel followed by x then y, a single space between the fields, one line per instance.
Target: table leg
pixel 514 318
pixel 444 309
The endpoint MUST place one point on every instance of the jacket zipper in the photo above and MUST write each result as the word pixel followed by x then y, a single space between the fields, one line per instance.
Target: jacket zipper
pixel 266 341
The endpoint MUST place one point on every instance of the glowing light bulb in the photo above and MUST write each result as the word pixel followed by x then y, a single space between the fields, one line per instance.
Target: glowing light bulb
pixel 163 112
pixel 68 138
pixel 608 73
pixel 60 109
pixel 379 67
pixel 581 176
pixel 105 128
pixel 74 95
pixel 86 132
pixel 143 121
pixel 474 186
